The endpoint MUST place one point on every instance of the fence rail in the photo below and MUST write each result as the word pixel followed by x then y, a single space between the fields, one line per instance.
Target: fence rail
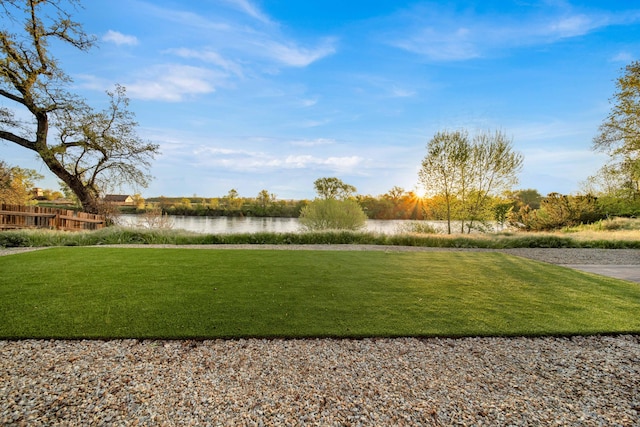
pixel 18 217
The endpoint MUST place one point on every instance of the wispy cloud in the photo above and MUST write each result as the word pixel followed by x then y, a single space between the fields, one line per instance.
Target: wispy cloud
pixel 313 142
pixel 246 160
pixel 442 34
pixel 172 83
pixel 250 9
pixel 119 38
pixel 251 40
pixel 623 57
pixel 208 56
pixel 292 55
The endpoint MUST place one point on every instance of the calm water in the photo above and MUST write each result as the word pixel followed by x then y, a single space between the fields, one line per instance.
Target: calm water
pixel 228 225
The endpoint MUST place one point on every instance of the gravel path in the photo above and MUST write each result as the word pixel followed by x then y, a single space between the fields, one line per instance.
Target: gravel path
pixel 585 381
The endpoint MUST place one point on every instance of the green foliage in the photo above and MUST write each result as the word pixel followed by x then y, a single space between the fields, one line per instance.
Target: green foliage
pixel 333 188
pixel 618 134
pixel 16 184
pixel 466 173
pixel 13 240
pixel 558 211
pixel 417 227
pixel 332 214
pixel 178 293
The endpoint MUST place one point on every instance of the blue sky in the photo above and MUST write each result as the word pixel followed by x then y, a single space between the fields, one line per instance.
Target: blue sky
pixel 273 94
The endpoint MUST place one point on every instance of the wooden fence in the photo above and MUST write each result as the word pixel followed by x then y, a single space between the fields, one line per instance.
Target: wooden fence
pixel 18 217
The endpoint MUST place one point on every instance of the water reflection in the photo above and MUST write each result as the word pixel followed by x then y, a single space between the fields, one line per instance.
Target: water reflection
pixel 233 225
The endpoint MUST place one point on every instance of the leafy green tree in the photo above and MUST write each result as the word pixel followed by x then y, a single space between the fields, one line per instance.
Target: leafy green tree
pixel 493 170
pixel 232 201
pixel 263 202
pixel 443 168
pixel 334 209
pixel 619 134
pixel 332 214
pixel 333 188
pixel 92 149
pixel 468 172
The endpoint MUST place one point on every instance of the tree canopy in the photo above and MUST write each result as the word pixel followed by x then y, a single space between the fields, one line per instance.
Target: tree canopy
pixel 88 150
pixel 333 188
pixel 467 171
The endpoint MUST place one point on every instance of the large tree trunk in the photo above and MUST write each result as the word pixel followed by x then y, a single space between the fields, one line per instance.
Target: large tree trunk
pixel 87 196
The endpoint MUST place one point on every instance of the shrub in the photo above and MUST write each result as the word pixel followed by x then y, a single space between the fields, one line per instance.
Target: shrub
pixel 13 240
pixel 417 227
pixel 331 214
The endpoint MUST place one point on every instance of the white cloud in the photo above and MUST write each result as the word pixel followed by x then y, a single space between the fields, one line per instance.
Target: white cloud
pixel 119 38
pixel 209 56
pixel 445 35
pixel 246 160
pixel 172 83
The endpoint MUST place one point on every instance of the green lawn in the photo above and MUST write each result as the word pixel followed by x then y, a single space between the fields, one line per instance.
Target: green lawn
pixel 89 292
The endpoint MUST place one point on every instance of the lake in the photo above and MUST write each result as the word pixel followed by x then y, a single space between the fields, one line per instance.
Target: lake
pixel 231 225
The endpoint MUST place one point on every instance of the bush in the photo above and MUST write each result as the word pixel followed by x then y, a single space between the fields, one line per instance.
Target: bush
pixel 331 214
pixel 417 227
pixel 13 240
pixel 558 211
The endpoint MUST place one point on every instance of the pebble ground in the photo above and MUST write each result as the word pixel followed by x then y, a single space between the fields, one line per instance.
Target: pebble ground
pixel 577 381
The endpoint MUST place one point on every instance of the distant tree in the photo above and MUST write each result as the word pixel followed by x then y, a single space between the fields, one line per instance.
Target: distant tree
pixel 138 201
pixel 395 194
pixel 92 149
pixel 263 202
pixel 16 184
pixel 527 197
pixel 332 214
pixel 617 194
pixel 232 201
pixel 333 188
pixel 185 203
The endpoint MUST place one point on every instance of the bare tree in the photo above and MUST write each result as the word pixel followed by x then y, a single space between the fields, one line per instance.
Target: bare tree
pixel 85 149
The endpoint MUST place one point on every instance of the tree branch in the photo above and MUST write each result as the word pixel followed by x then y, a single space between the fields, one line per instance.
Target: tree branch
pixel 8 136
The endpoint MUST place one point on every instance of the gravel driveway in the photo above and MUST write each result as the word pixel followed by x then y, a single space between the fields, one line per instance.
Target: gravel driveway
pixel 585 381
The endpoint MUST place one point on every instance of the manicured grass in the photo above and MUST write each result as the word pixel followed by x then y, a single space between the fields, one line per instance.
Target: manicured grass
pixel 94 292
